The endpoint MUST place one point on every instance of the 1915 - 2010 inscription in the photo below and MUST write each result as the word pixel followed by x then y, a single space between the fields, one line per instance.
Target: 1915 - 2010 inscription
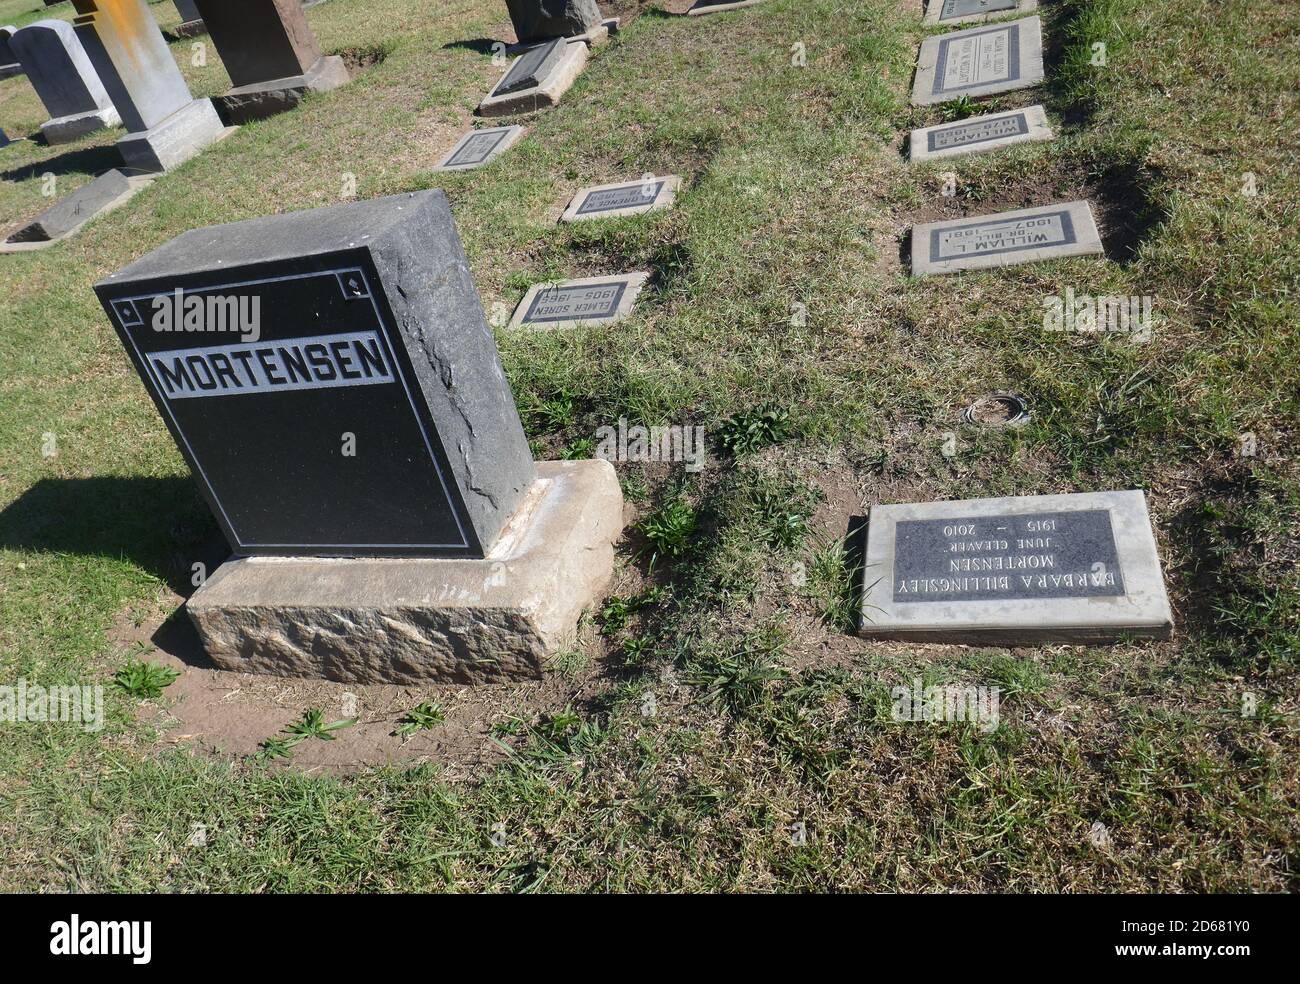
pixel 1028 556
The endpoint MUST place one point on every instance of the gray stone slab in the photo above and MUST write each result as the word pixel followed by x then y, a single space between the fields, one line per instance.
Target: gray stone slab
pixel 134 185
pixel 478 147
pixel 980 133
pixel 948 12
pixel 1069 568
pixel 369 326
pixel 1005 239
pixel 979 61
pixel 420 620
pixel 64 78
pixel 531 69
pixel 75 209
pixel 570 303
pixel 557 82
pixel 623 198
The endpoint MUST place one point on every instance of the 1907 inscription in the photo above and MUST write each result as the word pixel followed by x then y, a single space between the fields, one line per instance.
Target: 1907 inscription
pixel 1009 557
pixel 1002 236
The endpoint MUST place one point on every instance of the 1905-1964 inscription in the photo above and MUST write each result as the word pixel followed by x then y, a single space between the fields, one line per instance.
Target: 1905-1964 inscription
pixel 1038 555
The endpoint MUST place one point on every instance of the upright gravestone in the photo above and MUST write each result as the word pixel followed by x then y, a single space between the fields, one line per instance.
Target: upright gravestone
pixel 271 54
pixel 191 25
pixel 1069 568
pixel 539 20
pixel 9 64
pixel 167 125
pixel 333 383
pixel 62 75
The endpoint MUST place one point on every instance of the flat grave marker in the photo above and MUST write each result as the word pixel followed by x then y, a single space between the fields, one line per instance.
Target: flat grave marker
pixel 531 68
pixel 1073 568
pixel 478 147
pixel 607 201
pixel 571 303
pixel 946 12
pixel 979 61
pixel 538 78
pixel 1005 239
pixel 66 216
pixel 980 133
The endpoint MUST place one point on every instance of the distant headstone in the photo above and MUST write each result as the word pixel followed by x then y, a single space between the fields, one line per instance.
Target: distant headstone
pixel 1069 568
pixel 947 12
pixel 271 54
pixel 478 147
pixel 167 125
pixel 1005 239
pixel 623 198
pixel 536 79
pixel 333 384
pixel 979 61
pixel 570 303
pixel 9 64
pixel 62 74
pixel 75 209
pixel 537 20
pixel 191 25
pixel 980 133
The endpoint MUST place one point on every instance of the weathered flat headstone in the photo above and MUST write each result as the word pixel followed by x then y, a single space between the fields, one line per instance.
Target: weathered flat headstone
pixel 980 133
pixel 1069 568
pixel 65 80
pixel 478 147
pixel 945 12
pixel 9 63
pixel 271 54
pixel 339 395
pixel 538 20
pixel 75 209
pixel 1005 239
pixel 167 125
pixel 979 61
pixel 570 303
pixel 623 198
pixel 545 73
pixel 191 25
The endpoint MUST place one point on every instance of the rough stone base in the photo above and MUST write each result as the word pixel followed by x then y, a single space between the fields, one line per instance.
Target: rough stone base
pixel 9 71
pixel 173 141
pixel 190 29
pixel 256 102
pixel 65 129
pixel 415 619
pixel 544 95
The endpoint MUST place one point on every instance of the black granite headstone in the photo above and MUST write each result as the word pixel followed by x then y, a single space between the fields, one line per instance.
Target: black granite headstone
pixel 331 379
pixel 532 67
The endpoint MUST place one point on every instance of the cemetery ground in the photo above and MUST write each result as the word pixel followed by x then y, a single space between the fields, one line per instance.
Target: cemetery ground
pixel 717 726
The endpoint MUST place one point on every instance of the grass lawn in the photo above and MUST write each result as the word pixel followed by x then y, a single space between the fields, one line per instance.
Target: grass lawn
pixel 718 726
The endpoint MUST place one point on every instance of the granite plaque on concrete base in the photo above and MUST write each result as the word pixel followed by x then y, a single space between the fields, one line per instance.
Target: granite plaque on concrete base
pixel 333 383
pixel 478 147
pixel 946 12
pixel 548 71
pixel 623 198
pixel 979 61
pixel 1005 239
pixel 980 133
pixel 1069 568
pixel 570 303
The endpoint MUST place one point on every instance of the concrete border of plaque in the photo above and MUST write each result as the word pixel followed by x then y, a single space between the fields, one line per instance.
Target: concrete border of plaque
pixel 66 217
pixel 479 147
pixel 945 12
pixel 574 303
pixel 979 61
pixel 702 7
pixel 1080 567
pixel 558 64
pixel 1026 235
pixel 620 198
pixel 977 134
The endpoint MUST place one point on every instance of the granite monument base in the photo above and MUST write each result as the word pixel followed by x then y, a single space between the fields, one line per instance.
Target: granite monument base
pixel 65 129
pixel 173 141
pixel 421 619
pixel 262 99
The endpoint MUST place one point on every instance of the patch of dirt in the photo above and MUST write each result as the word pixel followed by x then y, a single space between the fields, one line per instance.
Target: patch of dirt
pixel 360 59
